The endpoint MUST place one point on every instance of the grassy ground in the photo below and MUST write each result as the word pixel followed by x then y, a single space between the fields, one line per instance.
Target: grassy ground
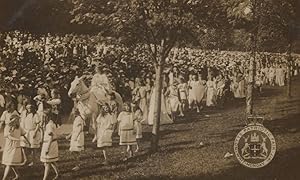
pixel 181 155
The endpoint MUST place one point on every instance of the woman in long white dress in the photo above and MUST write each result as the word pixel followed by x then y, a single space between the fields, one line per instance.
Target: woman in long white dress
pixel 239 87
pixel 211 92
pixel 173 102
pixel 196 93
pixel 140 98
pixel 164 116
pixel 280 76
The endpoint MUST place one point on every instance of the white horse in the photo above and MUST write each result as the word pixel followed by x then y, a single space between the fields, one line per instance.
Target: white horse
pixel 89 101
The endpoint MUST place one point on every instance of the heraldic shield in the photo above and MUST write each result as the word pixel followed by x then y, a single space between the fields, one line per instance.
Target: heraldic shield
pixel 255 146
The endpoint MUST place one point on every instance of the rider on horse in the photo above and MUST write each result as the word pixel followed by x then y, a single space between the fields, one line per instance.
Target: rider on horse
pixel 100 80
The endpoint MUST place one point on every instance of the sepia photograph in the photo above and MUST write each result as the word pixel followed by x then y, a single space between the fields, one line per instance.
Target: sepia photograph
pixel 149 89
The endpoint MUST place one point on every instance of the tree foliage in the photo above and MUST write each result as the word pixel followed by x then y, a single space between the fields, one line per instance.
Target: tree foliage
pixel 157 23
pixel 273 21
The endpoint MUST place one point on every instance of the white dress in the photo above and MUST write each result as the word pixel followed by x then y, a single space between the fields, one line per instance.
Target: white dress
pixel 50 144
pixel 183 93
pixel 77 137
pixel 211 93
pixel 164 117
pixel 13 154
pixel 197 91
pixel 280 76
pixel 5 117
pixel 138 117
pixel 173 99
pixel 101 80
pixel 29 123
pixel 100 87
pixel 105 130
pixel 126 128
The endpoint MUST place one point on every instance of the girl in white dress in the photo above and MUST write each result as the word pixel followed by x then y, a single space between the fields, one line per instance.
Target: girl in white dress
pixel 126 129
pixel 173 99
pixel 13 154
pixel 138 119
pixel 30 123
pixel 115 109
pixel 141 98
pixel 77 136
pixel 105 123
pixel 183 95
pixel 49 154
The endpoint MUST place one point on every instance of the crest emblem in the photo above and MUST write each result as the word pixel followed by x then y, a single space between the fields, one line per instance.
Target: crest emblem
pixel 254 146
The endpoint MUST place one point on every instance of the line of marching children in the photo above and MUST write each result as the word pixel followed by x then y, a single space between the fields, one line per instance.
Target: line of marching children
pixel 129 129
pixel 28 130
pixel 25 132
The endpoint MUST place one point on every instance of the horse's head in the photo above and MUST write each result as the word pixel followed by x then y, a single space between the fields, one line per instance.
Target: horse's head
pixel 76 86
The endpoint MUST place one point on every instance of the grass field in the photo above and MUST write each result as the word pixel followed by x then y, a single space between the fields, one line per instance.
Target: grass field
pixel 182 157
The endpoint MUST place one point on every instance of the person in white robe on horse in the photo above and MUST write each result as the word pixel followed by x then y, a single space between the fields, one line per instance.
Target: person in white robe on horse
pixel 100 81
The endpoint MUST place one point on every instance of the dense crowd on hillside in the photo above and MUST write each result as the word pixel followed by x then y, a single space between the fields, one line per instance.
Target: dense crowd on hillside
pixel 31 62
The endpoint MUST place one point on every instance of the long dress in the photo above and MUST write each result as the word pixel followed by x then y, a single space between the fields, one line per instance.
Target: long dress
pixel 126 128
pixel 13 154
pixel 164 117
pixel 104 130
pixel 77 137
pixel 280 76
pixel 29 123
pixel 271 75
pixel 50 144
pixel 138 117
pixel 238 88
pixel 197 91
pixel 100 86
pixel 173 99
pixel 211 93
pixel 143 104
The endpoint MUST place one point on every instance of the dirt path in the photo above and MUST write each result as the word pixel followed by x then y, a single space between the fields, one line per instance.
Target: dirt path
pixel 182 156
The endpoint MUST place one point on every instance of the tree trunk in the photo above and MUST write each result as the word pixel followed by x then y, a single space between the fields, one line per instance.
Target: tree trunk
pixel 250 85
pixel 251 75
pixel 157 111
pixel 289 61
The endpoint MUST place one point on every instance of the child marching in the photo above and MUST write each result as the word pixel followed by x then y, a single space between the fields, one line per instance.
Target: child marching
pixel 30 123
pixel 13 154
pixel 138 119
pixel 77 136
pixel 126 129
pixel 49 154
pixel 105 124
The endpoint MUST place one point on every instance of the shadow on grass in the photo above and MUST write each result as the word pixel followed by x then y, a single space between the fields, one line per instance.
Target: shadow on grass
pixel 284 166
pixel 269 91
pixel 288 124
pixel 147 136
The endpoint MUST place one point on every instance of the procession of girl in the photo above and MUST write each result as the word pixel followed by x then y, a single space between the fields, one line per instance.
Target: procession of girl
pixel 31 123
